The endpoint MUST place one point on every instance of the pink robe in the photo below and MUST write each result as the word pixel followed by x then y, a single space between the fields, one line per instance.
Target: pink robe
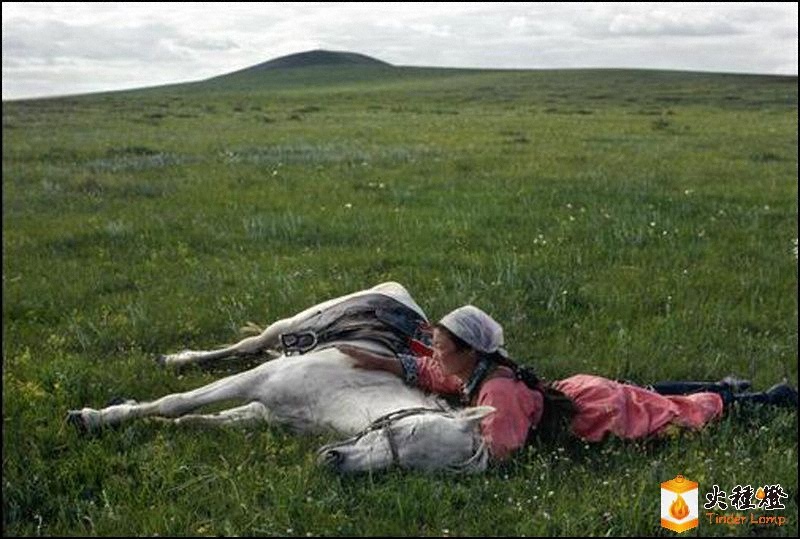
pixel 609 407
pixel 603 407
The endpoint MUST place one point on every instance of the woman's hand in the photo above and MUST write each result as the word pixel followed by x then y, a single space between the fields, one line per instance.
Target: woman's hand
pixel 352 351
pixel 364 359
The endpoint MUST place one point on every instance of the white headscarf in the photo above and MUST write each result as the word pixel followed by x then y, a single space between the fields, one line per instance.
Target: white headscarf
pixel 476 328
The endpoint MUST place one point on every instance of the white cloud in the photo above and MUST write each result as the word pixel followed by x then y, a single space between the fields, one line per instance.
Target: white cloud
pixel 670 23
pixel 518 23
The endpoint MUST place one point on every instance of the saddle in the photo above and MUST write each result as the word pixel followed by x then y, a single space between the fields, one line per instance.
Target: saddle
pixel 372 317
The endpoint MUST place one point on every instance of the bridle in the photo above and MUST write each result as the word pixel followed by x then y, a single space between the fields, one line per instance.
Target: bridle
pixel 385 422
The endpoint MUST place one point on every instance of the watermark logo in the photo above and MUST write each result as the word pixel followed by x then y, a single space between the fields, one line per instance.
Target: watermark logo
pixel 680 509
pixel 742 498
pixel 679 504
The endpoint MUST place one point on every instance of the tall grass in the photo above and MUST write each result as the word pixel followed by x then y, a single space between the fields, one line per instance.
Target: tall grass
pixel 635 225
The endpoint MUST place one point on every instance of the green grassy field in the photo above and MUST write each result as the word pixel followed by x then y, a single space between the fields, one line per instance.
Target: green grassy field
pixel 631 224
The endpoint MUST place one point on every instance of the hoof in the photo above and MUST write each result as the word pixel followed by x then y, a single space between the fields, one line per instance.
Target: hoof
pixel 120 400
pixel 75 418
pixel 176 360
pixel 86 420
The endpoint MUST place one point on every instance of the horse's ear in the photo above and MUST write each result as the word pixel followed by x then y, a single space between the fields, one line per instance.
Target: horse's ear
pixel 476 413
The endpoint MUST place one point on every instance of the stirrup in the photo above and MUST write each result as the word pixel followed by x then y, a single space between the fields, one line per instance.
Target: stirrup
pixel 299 342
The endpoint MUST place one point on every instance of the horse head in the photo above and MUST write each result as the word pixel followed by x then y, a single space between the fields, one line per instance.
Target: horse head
pixel 416 438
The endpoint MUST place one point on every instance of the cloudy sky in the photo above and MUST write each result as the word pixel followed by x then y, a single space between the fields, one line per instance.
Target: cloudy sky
pixel 68 48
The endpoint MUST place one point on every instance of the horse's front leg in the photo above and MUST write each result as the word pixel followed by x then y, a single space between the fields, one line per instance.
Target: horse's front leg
pixel 253 412
pixel 236 387
pixel 267 341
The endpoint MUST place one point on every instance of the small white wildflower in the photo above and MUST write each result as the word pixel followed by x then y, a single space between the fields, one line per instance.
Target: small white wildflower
pixel 348 206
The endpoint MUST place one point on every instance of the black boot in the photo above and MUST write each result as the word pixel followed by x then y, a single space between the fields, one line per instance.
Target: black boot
pixel 778 395
pixel 736 385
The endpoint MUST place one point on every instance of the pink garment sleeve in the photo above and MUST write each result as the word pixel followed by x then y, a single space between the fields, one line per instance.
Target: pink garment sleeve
pixel 518 408
pixel 431 378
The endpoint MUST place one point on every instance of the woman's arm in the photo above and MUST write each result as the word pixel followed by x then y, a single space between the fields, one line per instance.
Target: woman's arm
pixel 423 373
pixel 364 359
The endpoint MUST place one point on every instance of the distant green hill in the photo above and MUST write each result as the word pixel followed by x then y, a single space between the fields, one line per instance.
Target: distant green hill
pixel 310 67
pixel 311 59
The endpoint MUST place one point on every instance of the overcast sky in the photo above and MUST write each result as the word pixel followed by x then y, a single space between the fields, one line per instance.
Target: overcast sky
pixel 68 48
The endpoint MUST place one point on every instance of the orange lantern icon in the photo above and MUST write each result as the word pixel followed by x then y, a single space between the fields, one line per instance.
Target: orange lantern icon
pixel 679 511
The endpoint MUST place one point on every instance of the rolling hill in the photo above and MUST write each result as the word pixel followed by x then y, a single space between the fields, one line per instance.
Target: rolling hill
pixel 315 58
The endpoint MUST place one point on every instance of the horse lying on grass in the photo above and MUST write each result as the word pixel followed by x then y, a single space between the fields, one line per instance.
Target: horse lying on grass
pixel 389 423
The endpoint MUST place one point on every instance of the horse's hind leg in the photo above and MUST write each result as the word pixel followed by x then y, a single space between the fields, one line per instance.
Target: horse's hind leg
pixel 237 387
pixel 270 337
pixel 268 340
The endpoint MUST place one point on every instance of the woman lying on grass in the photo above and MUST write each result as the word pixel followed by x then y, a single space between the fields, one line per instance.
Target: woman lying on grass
pixel 468 359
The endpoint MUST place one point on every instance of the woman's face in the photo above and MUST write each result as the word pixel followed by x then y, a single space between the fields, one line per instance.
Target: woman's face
pixel 451 359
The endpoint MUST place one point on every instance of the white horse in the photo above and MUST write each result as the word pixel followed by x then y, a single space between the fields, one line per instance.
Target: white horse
pixel 390 423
